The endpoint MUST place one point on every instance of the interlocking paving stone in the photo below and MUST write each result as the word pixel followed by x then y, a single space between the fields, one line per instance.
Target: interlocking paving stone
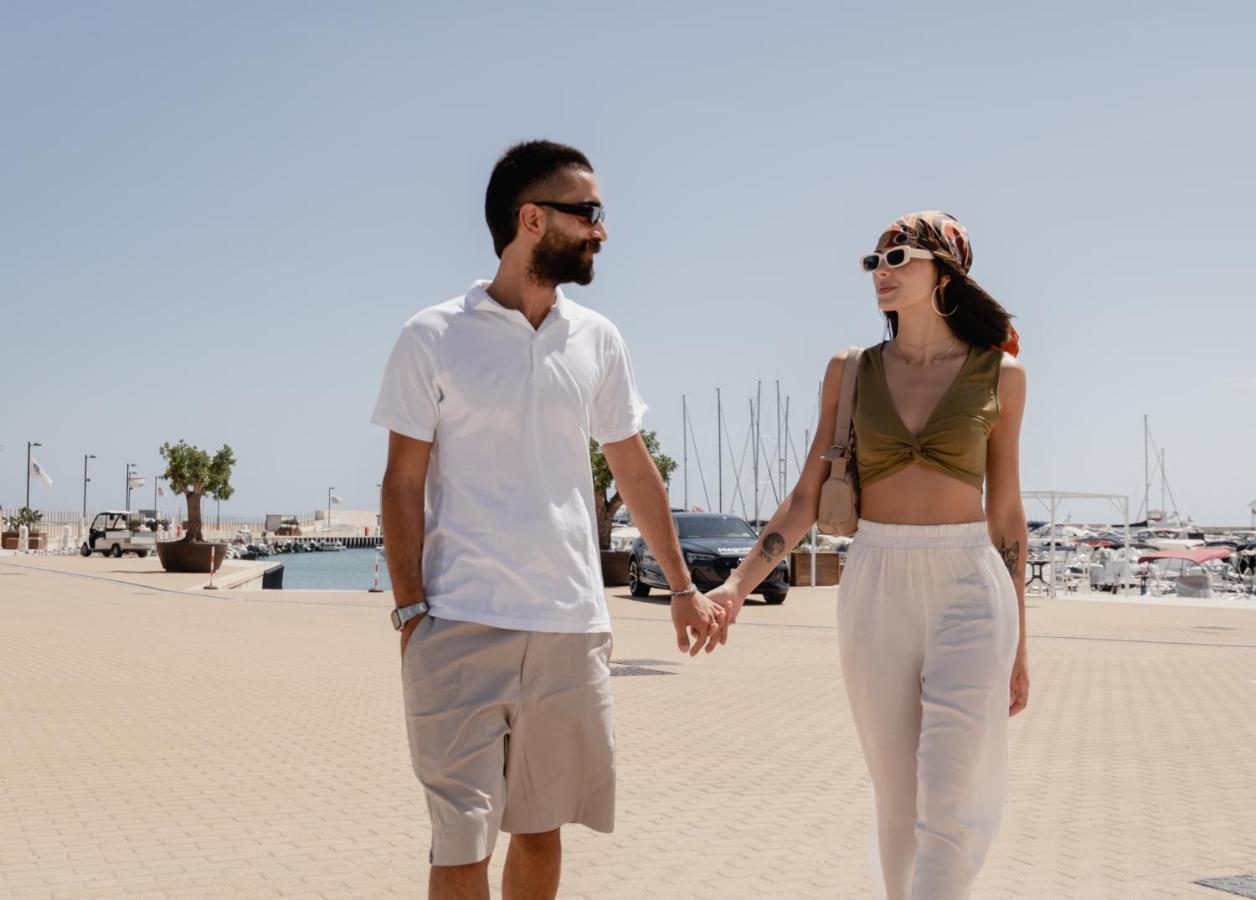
pixel 242 745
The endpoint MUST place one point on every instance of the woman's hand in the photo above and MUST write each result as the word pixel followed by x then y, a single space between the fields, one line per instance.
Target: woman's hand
pixel 727 598
pixel 1020 681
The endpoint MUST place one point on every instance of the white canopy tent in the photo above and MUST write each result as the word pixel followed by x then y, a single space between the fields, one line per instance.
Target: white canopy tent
pixel 1052 500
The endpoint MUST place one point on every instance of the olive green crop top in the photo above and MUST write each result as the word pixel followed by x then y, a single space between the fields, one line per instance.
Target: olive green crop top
pixel 954 438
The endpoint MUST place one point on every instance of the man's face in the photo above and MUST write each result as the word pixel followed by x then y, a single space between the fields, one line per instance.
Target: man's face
pixel 565 251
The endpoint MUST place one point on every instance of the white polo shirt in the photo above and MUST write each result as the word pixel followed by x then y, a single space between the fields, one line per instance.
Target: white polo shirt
pixel 511 525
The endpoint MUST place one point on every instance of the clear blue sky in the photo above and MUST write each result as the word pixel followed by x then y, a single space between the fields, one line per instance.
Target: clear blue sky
pixel 216 217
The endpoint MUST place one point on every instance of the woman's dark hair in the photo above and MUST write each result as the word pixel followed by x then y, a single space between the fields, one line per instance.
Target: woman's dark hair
pixel 978 319
pixel 521 168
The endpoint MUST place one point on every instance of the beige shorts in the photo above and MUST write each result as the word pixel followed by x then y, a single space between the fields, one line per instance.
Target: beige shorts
pixel 509 731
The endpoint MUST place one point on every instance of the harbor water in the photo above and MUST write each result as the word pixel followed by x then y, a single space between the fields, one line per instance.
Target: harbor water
pixel 345 570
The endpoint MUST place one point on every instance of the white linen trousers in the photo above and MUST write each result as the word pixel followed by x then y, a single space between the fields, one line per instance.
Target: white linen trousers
pixel 927 630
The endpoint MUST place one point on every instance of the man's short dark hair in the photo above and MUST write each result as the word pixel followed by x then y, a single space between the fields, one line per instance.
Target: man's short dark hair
pixel 520 168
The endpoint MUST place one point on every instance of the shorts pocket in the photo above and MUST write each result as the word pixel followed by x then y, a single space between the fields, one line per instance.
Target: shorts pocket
pixel 416 637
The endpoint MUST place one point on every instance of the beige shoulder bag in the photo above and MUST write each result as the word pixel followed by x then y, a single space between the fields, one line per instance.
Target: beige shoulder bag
pixel 839 497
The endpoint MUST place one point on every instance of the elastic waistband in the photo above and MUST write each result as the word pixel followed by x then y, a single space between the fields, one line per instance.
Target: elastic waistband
pixel 880 534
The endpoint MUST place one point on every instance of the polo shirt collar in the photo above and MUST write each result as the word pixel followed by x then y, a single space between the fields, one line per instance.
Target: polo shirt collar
pixel 478 298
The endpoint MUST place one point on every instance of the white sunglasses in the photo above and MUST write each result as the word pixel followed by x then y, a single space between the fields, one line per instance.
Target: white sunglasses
pixel 893 258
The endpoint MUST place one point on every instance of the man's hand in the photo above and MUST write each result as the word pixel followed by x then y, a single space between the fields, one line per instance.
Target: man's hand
pixel 729 600
pixel 407 630
pixel 693 615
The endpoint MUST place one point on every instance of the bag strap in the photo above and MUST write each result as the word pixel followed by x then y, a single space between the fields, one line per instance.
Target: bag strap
pixel 845 406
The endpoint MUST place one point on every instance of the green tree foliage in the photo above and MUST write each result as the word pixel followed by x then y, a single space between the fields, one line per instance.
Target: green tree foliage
pixel 25 516
pixel 192 472
pixel 605 497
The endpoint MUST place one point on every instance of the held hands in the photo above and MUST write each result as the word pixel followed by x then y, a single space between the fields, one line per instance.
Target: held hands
pixel 697 618
pixel 729 600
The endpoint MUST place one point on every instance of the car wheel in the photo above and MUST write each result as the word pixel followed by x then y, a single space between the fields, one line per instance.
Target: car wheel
pixel 142 554
pixel 85 550
pixel 116 552
pixel 774 598
pixel 635 585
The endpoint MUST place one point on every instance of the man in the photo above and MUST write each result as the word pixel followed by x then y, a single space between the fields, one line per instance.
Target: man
pixel 490 400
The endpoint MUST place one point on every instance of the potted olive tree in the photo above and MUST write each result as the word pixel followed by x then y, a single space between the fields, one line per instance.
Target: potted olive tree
pixel 192 472
pixel 31 519
pixel 607 502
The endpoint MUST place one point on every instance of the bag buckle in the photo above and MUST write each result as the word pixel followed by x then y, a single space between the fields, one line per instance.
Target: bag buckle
pixel 836 452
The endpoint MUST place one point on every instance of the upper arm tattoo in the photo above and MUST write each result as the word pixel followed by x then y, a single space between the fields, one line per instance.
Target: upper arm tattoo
pixel 773 546
pixel 1011 558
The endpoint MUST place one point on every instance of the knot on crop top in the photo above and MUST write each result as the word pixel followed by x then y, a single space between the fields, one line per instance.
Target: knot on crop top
pixel 955 436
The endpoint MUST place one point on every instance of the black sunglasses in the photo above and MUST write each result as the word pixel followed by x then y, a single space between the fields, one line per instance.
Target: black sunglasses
pixel 594 212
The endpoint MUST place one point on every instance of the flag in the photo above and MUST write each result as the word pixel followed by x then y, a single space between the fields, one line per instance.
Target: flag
pixel 336 500
pixel 135 483
pixel 161 491
pixel 38 471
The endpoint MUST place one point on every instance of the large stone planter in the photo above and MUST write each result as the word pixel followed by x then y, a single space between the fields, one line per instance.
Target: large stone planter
pixel 38 541
pixel 828 569
pixel 190 556
pixel 615 567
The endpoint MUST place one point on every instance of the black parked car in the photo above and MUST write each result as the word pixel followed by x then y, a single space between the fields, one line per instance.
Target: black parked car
pixel 713 545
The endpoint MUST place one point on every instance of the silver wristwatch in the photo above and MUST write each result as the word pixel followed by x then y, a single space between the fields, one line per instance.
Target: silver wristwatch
pixel 403 614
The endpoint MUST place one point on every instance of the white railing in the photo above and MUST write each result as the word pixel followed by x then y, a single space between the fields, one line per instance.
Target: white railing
pixel 216 528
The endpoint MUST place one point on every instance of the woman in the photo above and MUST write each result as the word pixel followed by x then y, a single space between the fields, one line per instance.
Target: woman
pixel 931 614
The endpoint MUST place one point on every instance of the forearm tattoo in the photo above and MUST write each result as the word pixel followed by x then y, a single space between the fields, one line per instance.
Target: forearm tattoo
pixel 1011 559
pixel 773 546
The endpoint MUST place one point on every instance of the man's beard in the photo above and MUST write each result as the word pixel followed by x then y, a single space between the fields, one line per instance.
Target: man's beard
pixel 556 260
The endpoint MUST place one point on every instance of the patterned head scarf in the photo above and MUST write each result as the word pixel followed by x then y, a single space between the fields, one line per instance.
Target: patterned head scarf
pixel 942 235
pixel 938 232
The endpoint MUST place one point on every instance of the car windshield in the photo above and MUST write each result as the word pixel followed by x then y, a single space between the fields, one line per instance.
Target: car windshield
pixel 713 527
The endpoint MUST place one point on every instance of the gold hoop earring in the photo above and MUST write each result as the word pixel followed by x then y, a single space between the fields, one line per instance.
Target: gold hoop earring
pixel 937 294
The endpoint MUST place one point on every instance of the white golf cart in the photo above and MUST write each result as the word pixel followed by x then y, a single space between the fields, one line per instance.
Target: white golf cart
pixel 111 535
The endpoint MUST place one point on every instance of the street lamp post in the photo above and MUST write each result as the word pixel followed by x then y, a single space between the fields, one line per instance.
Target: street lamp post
pixel 129 473
pixel 329 490
pixel 86 457
pixel 29 444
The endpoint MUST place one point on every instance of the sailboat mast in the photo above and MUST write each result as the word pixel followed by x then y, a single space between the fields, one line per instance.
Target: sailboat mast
pixel 755 417
pixel 684 412
pixel 1164 509
pixel 719 446
pixel 776 476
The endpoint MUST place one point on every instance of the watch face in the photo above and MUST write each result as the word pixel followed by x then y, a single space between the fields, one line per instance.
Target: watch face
pixel 411 611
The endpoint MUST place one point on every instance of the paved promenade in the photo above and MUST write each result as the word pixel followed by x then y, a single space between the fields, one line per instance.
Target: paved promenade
pixel 250 744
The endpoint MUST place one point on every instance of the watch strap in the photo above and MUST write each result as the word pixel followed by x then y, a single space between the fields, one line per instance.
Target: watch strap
pixel 403 614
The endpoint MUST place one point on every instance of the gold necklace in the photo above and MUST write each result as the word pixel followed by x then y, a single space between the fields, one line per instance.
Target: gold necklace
pixel 941 356
pixel 903 343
